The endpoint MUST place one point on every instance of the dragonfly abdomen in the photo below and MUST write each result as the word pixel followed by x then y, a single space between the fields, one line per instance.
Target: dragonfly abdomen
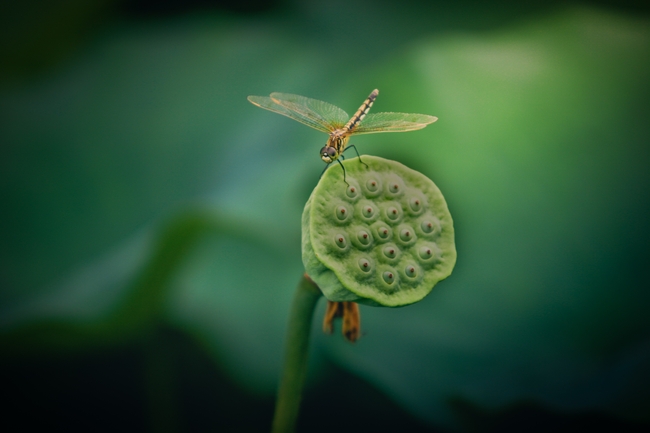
pixel 362 111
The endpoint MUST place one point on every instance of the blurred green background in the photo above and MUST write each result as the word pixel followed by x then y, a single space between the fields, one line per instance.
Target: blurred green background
pixel 150 239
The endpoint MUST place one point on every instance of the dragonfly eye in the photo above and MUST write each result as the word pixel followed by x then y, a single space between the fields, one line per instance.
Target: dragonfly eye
pixel 328 154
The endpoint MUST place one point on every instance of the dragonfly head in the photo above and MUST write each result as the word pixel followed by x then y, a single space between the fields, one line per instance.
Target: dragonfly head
pixel 328 154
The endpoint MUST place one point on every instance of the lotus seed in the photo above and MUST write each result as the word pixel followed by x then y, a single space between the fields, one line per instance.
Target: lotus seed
pixel 351 192
pixel 363 237
pixel 392 213
pixel 427 226
pixel 340 241
pixel 388 277
pixel 372 185
pixel 411 271
pixel 406 235
pixel 394 188
pixel 426 253
pixel 368 211
pixel 390 252
pixel 383 233
pixel 364 265
pixel 415 204
pixel 341 213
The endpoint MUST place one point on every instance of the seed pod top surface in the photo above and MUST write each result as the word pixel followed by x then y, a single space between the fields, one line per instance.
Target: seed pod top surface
pixel 384 239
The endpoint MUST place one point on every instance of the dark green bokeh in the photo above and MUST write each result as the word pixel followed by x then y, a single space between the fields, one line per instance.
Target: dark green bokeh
pixel 151 214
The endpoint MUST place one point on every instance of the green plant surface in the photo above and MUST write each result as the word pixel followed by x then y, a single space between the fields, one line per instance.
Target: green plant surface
pixel 294 371
pixel 383 236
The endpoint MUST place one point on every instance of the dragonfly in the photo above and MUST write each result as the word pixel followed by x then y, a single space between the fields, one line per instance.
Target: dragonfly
pixel 332 120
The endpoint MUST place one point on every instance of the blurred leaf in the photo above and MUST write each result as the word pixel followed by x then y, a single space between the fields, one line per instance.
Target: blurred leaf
pixel 121 295
pixel 541 152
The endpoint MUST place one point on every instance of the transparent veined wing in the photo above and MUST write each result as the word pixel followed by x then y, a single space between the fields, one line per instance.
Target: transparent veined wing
pixel 322 113
pixel 311 112
pixel 393 122
pixel 269 104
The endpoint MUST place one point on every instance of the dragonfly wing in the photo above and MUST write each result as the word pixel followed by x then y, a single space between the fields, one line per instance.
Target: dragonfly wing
pixel 327 115
pixel 269 104
pixel 393 122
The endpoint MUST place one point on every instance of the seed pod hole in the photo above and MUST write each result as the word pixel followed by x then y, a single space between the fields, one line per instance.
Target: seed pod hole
pixel 352 191
pixel 427 226
pixel 425 253
pixel 393 187
pixel 340 241
pixel 342 213
pixel 406 235
pixel 392 213
pixel 411 271
pixel 384 233
pixel 368 211
pixel 372 185
pixel 390 252
pixel 364 265
pixel 389 277
pixel 415 204
pixel 363 237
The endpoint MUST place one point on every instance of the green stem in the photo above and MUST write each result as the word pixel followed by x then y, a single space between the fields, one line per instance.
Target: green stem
pixel 295 356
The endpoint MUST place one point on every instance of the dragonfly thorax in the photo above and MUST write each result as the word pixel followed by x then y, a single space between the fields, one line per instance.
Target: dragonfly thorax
pixel 335 145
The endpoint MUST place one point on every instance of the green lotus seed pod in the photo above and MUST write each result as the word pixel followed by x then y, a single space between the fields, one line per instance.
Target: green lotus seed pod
pixel 385 238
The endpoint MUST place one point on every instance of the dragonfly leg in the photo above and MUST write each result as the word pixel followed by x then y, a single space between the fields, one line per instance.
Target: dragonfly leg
pixel 341 164
pixel 339 161
pixel 359 156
